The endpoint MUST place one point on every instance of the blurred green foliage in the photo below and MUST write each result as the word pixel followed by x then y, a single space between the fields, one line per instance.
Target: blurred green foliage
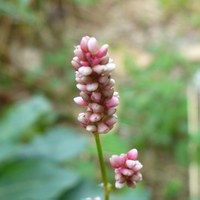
pixel 30 169
pixel 40 158
pixel 174 5
pixel 172 189
pixel 37 165
pixel 18 10
pixel 154 101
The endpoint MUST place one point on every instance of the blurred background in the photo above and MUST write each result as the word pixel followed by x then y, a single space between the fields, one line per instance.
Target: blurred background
pixel 44 154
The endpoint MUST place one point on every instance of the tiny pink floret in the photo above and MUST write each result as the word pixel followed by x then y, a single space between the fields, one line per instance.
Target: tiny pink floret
pixel 132 154
pixel 84 43
pixel 113 102
pixel 103 51
pixel 80 101
pixel 102 128
pixel 93 45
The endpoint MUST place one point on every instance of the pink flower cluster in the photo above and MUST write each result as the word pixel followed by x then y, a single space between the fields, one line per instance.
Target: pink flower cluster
pixel 93 68
pixel 127 169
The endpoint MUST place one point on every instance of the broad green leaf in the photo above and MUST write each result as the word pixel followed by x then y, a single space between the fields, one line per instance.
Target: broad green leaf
pixel 21 117
pixel 35 180
pixel 86 166
pixel 57 144
pixel 139 193
pixel 8 152
pixel 87 188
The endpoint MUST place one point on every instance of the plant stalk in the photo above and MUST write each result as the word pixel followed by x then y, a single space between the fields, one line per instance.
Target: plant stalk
pixel 102 166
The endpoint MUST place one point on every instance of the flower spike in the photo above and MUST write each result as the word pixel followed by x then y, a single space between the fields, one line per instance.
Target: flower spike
pixel 93 68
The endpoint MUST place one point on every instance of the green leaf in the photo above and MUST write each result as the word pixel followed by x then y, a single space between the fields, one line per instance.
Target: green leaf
pixel 21 117
pixel 57 144
pixel 35 180
pixel 87 188
pixel 8 152
pixel 139 193
pixel 85 167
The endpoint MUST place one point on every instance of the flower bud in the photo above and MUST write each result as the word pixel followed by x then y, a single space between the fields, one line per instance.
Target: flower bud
pixel 85 96
pixel 93 45
pixel 119 185
pixel 84 43
pixel 82 118
pixel 104 60
pixel 127 172
pixel 84 63
pixel 79 54
pixel 132 154
pixel 97 108
pixel 102 51
pixel 108 93
pixel 137 177
pixel 80 101
pixel 75 64
pixel 103 80
pixel 111 121
pixel 102 128
pixel 95 117
pixel 81 87
pixel 138 166
pixel 111 111
pixel 130 163
pixel 85 71
pixel 99 69
pixel 92 86
pixel 114 161
pixel 110 67
pixel 96 97
pixel 91 128
pixel 113 102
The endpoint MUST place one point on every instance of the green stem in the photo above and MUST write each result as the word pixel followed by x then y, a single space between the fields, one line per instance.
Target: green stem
pixel 102 166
